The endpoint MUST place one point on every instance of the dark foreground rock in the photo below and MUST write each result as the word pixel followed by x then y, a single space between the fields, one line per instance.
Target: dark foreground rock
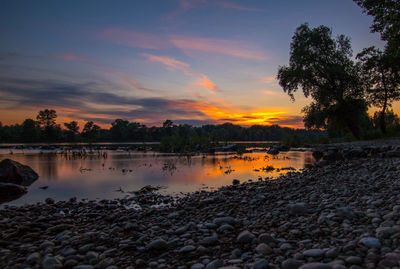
pixel 10 192
pixel 16 173
pixel 345 214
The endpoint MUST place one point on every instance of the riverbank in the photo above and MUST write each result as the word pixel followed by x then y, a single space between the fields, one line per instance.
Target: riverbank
pixel 341 214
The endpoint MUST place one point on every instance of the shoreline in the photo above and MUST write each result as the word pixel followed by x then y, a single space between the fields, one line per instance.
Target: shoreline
pixel 342 214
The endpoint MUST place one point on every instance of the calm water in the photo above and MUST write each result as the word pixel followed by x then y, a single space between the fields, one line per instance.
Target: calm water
pixel 99 177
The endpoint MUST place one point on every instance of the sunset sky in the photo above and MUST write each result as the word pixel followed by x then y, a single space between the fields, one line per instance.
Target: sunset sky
pixel 196 62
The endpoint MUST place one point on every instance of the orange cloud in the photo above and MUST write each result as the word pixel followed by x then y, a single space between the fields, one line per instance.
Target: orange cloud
pixel 270 79
pixel 206 83
pixel 233 48
pixel 268 92
pixel 174 64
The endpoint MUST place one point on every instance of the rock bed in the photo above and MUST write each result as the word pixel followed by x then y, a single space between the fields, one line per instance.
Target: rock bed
pixel 345 214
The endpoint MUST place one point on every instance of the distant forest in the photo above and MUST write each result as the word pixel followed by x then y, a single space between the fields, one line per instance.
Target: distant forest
pixel 45 129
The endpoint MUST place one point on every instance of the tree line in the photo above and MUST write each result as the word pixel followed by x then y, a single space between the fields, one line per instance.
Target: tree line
pixel 46 129
pixel 343 88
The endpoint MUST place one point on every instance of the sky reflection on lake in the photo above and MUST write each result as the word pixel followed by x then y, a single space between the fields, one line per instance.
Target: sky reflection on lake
pixel 95 177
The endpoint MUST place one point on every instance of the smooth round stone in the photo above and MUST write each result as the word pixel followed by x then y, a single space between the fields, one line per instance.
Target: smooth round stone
pixel 197 266
pixel 245 237
pixel 187 249
pixel 291 264
pixel 84 266
pixel 316 265
pixel 298 209
pixel 235 182
pixel 157 244
pixel 370 242
pixel 50 262
pixel 263 249
pixel 261 264
pixel 285 246
pixel 70 263
pixel 314 252
pixel 353 260
pixel 33 258
pixel 215 264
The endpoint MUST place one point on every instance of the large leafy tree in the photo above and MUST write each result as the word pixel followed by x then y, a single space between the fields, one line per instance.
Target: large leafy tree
pixel 322 67
pixel 383 83
pixel 72 129
pixel 47 120
pixel 386 15
pixel 90 130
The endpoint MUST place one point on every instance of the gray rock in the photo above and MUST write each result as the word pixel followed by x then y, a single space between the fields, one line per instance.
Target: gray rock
pixel 298 209
pixel 83 266
pixel 33 258
pixel 260 264
pixel 285 246
pixel 16 173
pixel 370 242
pixel 236 182
pixel 291 264
pixel 316 265
pixel 187 249
pixel 353 260
pixel 10 192
pixel 197 266
pixel 266 238
pixel 223 220
pixel 209 241
pixel 264 249
pixel 157 244
pixel 215 264
pixel 50 262
pixel 314 252
pixel 245 237
pixel 385 232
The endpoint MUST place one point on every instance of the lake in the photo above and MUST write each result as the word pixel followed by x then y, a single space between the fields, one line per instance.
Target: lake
pixel 112 174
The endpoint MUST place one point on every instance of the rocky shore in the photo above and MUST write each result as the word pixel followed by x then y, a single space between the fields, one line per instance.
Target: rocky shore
pixel 342 213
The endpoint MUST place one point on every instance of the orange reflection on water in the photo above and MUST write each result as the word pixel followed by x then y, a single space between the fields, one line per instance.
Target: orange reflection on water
pixel 95 177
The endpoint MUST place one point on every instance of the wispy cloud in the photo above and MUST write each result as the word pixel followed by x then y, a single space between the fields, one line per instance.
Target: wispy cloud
pixel 269 79
pixel 230 5
pixel 106 68
pixel 268 92
pixel 173 64
pixel 193 45
pixel 133 38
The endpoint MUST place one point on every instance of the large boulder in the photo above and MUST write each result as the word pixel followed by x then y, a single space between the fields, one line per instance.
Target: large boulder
pixel 10 192
pixel 16 173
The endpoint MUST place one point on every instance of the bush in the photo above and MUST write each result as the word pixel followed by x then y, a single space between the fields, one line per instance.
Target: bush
pixel 292 140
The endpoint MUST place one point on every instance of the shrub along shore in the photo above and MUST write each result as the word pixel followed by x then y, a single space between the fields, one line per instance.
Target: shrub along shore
pixel 342 213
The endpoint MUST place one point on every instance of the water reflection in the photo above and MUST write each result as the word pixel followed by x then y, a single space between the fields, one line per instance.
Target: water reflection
pixel 100 176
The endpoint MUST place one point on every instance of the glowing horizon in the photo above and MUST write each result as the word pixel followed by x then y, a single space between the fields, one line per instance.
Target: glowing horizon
pixel 197 62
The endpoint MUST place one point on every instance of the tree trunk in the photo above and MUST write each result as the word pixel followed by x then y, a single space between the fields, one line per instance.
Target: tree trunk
pixel 382 121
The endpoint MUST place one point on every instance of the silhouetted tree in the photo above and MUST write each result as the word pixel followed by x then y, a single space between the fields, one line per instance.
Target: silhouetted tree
pixel 322 67
pixel 47 120
pixel 386 15
pixel 72 130
pixel 30 131
pixel 383 84
pixel 391 119
pixel 90 130
pixel 119 130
